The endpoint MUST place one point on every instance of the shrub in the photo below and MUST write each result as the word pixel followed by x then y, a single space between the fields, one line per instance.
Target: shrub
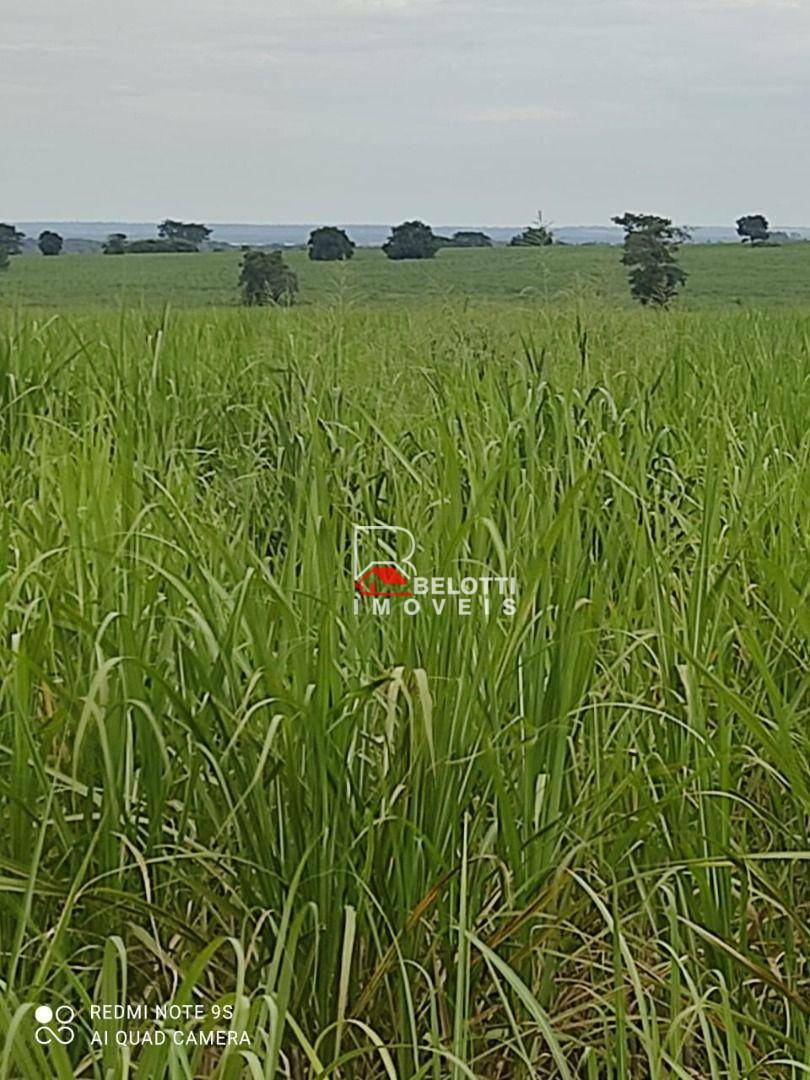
pixel 115 244
pixel 411 240
pixel 469 239
pixel 11 239
pixel 142 247
pixel 537 235
pixel 265 278
pixel 50 243
pixel 330 244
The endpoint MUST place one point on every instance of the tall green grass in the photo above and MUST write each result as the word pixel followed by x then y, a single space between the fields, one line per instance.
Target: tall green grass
pixel 568 844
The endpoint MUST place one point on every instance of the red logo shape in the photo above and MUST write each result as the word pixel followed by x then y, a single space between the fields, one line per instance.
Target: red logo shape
pixel 368 584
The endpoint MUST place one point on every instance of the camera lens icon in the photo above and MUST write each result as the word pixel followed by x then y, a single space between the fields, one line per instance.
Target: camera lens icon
pixel 55 1025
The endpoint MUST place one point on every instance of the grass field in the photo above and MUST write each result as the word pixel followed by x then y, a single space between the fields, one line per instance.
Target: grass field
pixel 571 843
pixel 719 275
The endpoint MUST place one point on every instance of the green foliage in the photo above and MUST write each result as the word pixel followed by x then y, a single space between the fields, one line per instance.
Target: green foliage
pixel 532 236
pixel 4 259
pixel 170 241
pixel 650 247
pixel 185 231
pixel 155 247
pixel 11 239
pixel 50 243
pixel 115 244
pixel 573 843
pixel 538 234
pixel 265 278
pixel 470 239
pixel 754 229
pixel 330 244
pixel 411 240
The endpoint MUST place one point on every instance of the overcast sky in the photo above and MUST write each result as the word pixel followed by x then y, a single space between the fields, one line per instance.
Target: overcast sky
pixel 457 111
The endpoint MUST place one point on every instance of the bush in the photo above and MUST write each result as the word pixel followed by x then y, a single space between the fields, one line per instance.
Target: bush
pixel 330 244
pixel 144 247
pixel 469 239
pixel 538 234
pixel 411 240
pixel 50 243
pixel 265 278
pixel 11 239
pixel 115 244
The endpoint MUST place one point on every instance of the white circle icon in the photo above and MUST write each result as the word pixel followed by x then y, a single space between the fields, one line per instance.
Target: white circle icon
pixel 43 1014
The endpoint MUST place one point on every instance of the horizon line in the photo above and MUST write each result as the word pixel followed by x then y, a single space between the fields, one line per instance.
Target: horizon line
pixel 369 224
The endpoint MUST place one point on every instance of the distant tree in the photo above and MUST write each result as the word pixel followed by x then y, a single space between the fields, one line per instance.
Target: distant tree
pixel 183 230
pixel 195 233
pixel 115 244
pixel 11 239
pixel 50 243
pixel 538 234
pixel 154 245
pixel 169 228
pixel 265 278
pixel 650 248
pixel 470 239
pixel 3 258
pixel 753 228
pixel 330 244
pixel 411 240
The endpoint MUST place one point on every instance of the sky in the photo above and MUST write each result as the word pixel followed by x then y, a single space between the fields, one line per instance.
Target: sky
pixel 454 111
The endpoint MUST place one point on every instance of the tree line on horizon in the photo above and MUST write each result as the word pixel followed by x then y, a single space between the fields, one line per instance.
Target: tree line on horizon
pixel 651 244
pixel 410 240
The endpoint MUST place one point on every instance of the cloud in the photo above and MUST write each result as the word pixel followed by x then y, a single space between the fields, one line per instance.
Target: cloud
pixel 374 108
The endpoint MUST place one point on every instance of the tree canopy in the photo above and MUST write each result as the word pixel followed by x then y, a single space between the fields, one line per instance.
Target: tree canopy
pixel 159 245
pixel 411 240
pixel 330 244
pixel 189 231
pixel 650 247
pixel 115 244
pixel 50 243
pixel 753 229
pixel 11 239
pixel 538 234
pixel 265 278
pixel 467 238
